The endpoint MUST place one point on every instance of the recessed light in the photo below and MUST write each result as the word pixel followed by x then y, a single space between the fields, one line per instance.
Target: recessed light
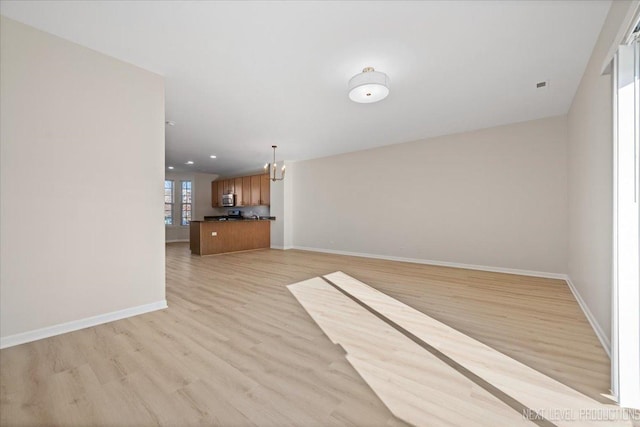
pixel 170 167
pixel 190 162
pixel 213 156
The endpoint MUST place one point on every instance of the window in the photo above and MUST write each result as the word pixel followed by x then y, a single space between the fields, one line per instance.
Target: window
pixel 168 201
pixel 178 212
pixel 625 357
pixel 185 205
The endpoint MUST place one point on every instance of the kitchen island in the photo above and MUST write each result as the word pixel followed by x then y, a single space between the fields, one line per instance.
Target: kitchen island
pixel 216 237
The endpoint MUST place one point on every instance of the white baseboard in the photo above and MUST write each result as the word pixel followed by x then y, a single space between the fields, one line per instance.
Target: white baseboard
pixel 177 241
pixel 606 344
pixel 283 248
pixel 440 263
pixel 62 328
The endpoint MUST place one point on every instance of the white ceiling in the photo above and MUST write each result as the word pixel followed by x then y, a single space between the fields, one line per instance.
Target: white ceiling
pixel 241 76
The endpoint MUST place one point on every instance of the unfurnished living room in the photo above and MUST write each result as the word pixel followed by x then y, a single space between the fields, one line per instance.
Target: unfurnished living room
pixel 319 213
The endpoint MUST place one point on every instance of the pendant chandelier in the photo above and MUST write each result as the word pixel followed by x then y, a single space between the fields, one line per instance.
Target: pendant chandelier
pixel 271 168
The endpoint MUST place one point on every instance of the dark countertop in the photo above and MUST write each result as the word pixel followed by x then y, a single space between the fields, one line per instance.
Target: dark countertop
pixel 272 218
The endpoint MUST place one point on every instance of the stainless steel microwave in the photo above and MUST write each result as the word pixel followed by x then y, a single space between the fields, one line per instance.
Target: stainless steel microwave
pixel 228 200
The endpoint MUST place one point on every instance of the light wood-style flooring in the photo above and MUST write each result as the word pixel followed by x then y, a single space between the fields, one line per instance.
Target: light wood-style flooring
pixel 235 348
pixel 416 386
pixel 400 370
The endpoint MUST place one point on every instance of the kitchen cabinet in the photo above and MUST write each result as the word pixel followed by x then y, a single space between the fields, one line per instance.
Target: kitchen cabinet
pixel 215 237
pixel 246 191
pixel 255 190
pixel 228 186
pixel 265 190
pixel 220 193
pixel 215 200
pixel 238 190
pixel 251 190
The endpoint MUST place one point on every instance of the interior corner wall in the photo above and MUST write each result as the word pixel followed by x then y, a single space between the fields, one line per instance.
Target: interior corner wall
pixel 277 196
pixel 202 195
pixel 495 197
pixel 590 172
pixel 288 216
pixel 82 167
pixel 281 207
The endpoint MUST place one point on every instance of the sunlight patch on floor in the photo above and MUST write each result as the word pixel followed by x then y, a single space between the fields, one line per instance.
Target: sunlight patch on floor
pixel 429 374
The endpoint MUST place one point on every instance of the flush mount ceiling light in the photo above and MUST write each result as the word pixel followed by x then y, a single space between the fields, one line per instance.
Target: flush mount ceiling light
pixel 369 86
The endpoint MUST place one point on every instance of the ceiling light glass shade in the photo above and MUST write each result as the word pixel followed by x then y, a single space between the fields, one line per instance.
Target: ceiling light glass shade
pixel 369 86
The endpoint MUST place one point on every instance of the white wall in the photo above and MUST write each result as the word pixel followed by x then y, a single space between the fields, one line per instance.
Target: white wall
pixel 282 208
pixel 277 195
pixel 201 206
pixel 590 149
pixel 202 195
pixel 495 197
pixel 82 155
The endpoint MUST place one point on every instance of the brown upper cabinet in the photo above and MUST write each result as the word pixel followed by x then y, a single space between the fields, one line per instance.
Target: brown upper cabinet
pixel 238 190
pixel 265 190
pixel 255 190
pixel 220 193
pixel 251 190
pixel 214 194
pixel 246 191
pixel 229 186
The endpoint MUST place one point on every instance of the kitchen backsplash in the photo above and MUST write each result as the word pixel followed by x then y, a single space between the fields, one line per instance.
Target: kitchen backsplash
pixel 246 211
